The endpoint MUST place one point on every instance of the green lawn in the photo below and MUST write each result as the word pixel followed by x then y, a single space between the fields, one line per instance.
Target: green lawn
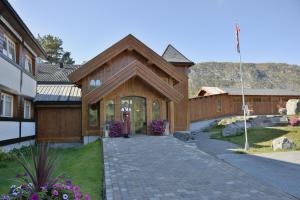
pixel 83 165
pixel 260 139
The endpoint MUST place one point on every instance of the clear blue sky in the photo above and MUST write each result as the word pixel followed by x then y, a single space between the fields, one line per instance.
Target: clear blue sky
pixel 203 30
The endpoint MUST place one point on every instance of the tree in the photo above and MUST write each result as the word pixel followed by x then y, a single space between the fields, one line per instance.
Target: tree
pixel 54 49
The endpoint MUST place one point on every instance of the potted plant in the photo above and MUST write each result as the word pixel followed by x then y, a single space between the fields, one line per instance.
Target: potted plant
pixel 157 127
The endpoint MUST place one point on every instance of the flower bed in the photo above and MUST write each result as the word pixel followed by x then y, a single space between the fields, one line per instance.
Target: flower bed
pixel 115 129
pixel 63 189
pixel 38 182
pixel 157 127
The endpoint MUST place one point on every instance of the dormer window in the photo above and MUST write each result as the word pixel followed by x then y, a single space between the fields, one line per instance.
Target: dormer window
pixel 28 64
pixel 95 83
pixel 9 48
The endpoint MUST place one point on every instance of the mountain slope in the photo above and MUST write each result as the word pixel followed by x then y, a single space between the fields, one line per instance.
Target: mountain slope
pixel 262 75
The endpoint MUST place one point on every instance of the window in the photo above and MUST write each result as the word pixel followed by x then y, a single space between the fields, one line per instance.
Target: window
pixel 93 115
pixel 6 105
pixel 110 111
pixel 28 64
pixel 27 109
pixel 9 48
pixel 95 83
pixel 155 110
pixel 219 105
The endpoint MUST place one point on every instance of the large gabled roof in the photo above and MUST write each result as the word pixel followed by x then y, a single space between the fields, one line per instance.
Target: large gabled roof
pixel 135 68
pixel 127 43
pixel 172 55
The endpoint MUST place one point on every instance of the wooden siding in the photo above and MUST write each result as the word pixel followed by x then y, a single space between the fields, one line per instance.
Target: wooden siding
pixel 202 108
pixel 59 123
pixel 135 68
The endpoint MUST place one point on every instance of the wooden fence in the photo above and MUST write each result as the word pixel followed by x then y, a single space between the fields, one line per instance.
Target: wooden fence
pixel 214 106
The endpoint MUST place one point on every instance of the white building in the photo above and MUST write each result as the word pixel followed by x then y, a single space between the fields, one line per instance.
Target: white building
pixel 19 51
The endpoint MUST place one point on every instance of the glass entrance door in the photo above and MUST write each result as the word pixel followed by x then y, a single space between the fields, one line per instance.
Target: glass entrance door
pixel 137 109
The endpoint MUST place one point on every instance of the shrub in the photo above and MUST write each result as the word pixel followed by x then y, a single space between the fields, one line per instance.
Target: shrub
pixel 294 121
pixel 157 127
pixel 115 129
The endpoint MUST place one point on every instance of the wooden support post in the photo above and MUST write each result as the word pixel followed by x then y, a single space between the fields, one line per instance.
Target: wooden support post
pixel 171 116
pixel 117 108
pixel 149 114
pixel 84 117
pixel 102 111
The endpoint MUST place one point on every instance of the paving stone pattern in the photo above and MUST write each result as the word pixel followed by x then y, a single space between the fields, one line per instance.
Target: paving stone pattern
pixel 162 167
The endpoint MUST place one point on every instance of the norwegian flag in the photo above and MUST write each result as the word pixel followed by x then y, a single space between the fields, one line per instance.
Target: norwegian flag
pixel 237 31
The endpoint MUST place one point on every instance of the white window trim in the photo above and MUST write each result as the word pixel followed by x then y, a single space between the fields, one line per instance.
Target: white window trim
pixel 29 111
pixel 8 40
pixel 12 105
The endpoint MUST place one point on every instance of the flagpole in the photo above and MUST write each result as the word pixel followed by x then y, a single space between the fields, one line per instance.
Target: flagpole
pixel 237 28
pixel 244 106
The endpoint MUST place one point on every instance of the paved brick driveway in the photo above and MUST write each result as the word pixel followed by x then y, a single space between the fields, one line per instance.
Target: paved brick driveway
pixel 148 167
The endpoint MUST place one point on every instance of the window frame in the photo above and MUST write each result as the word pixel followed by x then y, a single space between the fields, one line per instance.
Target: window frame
pixel 153 109
pixel 97 110
pixel 3 101
pixel 9 41
pixel 110 102
pixel 27 103
pixel 28 58
pixel 94 83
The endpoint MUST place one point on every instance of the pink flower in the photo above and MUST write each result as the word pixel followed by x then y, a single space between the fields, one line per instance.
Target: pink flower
pixel 55 192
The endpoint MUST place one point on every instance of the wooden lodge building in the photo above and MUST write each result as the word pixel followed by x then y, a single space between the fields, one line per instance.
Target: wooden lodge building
pixel 72 103
pixel 76 101
pixel 213 102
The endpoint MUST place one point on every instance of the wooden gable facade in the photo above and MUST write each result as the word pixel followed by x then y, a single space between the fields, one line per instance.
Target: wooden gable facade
pixel 129 71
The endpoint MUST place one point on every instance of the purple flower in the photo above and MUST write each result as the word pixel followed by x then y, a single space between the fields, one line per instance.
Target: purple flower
pixel 76 188
pixel 34 197
pixel 5 198
pixel 68 182
pixel 87 197
pixel 55 192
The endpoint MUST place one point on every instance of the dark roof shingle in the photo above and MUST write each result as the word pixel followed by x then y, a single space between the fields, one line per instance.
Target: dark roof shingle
pixel 172 55
pixel 53 74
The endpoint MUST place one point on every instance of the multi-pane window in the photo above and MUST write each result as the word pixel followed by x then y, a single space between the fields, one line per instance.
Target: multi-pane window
pixel 28 64
pixel 110 111
pixel 6 105
pixel 27 109
pixel 9 48
pixel 95 83
pixel 155 110
pixel 93 115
